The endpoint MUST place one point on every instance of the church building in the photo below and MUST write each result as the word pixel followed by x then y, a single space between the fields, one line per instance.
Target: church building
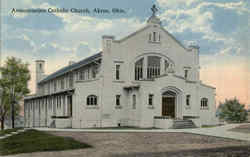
pixel 147 79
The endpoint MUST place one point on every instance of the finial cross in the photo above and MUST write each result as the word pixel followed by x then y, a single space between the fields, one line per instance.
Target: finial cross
pixel 154 9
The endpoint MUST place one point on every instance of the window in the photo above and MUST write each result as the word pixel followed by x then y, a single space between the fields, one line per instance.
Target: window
pixel 94 71
pixel 134 101
pixel 59 102
pixel 92 100
pixel 63 97
pixel 186 74
pixel 40 66
pixel 150 99
pixel 204 103
pixel 42 104
pixel 54 85
pixel 54 102
pixel 87 74
pixel 149 38
pixel 153 69
pixel 49 99
pixel 188 100
pixel 117 72
pixel 166 65
pixel 139 69
pixel 71 80
pixel 81 75
pixel 118 100
pixel 62 83
pixel 154 36
pixel 49 88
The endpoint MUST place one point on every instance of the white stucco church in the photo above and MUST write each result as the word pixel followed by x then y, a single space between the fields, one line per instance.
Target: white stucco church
pixel 146 79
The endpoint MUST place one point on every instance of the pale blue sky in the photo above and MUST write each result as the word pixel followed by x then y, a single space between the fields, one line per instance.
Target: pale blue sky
pixel 219 27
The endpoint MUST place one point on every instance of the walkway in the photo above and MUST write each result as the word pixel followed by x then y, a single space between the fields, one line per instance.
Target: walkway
pixel 12 133
pixel 219 131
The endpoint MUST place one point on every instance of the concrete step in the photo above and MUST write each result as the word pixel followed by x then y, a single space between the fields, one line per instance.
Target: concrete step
pixel 183 124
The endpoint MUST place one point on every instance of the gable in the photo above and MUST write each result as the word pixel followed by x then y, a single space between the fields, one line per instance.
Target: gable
pixel 145 30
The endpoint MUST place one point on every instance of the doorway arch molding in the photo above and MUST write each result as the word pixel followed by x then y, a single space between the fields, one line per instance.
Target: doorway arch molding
pixel 178 102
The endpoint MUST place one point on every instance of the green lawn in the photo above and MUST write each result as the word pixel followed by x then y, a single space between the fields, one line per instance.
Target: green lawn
pixel 37 141
pixel 7 131
pixel 208 126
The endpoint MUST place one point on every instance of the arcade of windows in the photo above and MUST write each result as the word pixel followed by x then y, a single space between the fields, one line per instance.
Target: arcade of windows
pixel 153 67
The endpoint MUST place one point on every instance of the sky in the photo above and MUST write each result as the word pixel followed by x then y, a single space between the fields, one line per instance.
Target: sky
pixel 219 27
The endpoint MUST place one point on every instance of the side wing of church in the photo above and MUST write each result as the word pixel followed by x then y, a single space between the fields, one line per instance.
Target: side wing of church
pixel 147 79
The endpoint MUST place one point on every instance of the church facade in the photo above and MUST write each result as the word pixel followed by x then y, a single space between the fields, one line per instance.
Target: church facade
pixel 146 79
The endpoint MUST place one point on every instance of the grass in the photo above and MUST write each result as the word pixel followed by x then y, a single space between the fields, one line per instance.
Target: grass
pixel 208 126
pixel 7 131
pixel 37 141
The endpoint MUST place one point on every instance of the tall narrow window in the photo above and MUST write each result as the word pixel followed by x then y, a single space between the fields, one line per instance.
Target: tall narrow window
pixel 139 69
pixel 149 37
pixel 117 72
pixel 154 65
pixel 134 101
pixel 166 65
pixel 150 99
pixel 81 75
pixel 94 70
pixel 188 100
pixel 154 36
pixel 54 85
pixel 62 83
pixel 186 74
pixel 118 97
pixel 48 87
pixel 71 80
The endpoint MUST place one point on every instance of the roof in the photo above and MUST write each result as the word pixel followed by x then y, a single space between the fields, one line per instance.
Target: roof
pixel 71 67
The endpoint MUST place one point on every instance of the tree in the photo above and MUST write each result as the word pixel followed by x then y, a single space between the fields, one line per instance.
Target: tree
pixel 232 111
pixel 14 85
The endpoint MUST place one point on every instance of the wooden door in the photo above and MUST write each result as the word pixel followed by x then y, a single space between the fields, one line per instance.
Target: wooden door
pixel 168 106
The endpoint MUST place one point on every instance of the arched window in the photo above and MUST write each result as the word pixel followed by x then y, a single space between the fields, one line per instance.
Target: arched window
pixel 92 100
pixel 139 69
pixel 154 66
pixel 204 103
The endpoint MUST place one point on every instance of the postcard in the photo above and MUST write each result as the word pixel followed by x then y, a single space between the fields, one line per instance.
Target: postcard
pixel 125 78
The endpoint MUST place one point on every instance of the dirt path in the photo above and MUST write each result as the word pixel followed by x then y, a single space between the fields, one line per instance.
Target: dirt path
pixel 149 145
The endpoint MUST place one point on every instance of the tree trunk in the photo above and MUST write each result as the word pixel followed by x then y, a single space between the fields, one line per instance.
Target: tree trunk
pixel 2 123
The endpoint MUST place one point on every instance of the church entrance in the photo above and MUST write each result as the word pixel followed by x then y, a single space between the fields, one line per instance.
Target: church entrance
pixel 168 104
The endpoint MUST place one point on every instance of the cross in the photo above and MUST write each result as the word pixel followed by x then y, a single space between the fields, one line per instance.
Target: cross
pixel 154 9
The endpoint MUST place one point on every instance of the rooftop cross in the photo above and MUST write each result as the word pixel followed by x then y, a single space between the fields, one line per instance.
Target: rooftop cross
pixel 154 9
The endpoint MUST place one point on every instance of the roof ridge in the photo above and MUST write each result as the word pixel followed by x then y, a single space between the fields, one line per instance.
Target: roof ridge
pixel 67 68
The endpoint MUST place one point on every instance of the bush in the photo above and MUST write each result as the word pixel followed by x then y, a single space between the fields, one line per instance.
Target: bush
pixel 232 111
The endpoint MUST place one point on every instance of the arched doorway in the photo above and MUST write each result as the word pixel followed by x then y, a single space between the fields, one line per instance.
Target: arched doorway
pixel 172 102
pixel 169 104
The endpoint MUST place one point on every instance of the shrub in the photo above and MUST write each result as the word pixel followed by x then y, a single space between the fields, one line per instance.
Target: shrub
pixel 232 111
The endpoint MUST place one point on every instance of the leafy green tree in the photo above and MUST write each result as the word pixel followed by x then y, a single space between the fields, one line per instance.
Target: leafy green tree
pixel 232 111
pixel 14 85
